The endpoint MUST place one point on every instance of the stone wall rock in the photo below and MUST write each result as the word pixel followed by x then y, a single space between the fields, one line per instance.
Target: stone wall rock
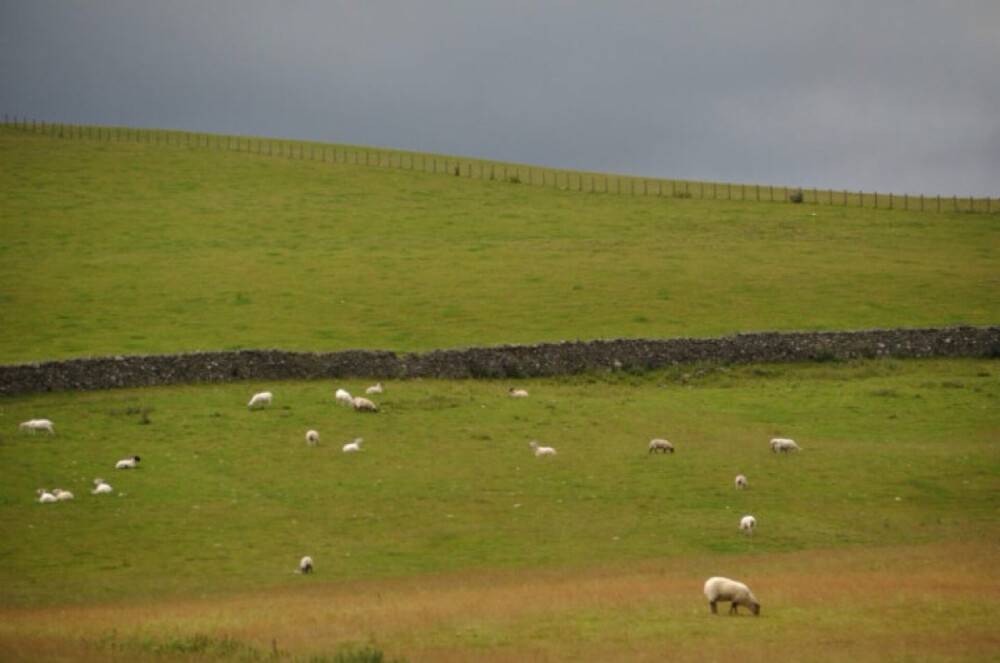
pixel 497 362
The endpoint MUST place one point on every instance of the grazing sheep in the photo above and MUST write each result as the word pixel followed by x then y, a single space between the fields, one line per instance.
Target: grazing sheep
pixel 375 389
pixel 45 497
pixel 127 463
pixel 344 397
pixel 312 438
pixel 260 400
pixel 35 425
pixel 101 487
pixel 748 524
pixel 541 451
pixel 723 589
pixel 62 495
pixel 518 393
pixel 783 445
pixel 740 481
pixel 657 445
pixel 353 447
pixel 306 565
pixel 362 404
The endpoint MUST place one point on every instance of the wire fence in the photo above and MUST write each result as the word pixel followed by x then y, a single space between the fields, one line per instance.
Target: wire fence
pixel 570 180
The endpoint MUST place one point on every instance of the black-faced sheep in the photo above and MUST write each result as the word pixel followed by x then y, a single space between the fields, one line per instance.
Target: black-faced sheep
pixel 723 589
pixel 127 463
pixel 659 445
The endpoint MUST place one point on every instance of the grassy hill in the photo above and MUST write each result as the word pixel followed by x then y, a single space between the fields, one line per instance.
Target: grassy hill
pixel 124 248
pixel 446 540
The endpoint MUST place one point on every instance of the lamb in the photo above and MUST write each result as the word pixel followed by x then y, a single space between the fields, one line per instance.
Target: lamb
pixel 35 425
pixel 783 445
pixel 353 447
pixel 541 451
pixel 518 393
pixel 45 497
pixel 312 438
pixel 127 463
pixel 306 565
pixel 344 397
pixel 723 589
pixel 62 495
pixel 375 389
pixel 740 481
pixel 362 404
pixel 748 524
pixel 657 445
pixel 260 400
pixel 101 487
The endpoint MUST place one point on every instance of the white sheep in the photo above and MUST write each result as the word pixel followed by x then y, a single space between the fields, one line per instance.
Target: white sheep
pixel 344 397
pixel 127 463
pixel 362 404
pixel 312 438
pixel 101 487
pixel 740 481
pixel 353 447
pixel 62 495
pixel 518 393
pixel 260 400
pixel 541 451
pixel 45 497
pixel 306 565
pixel 723 589
pixel 748 524
pixel 660 445
pixel 375 389
pixel 783 445
pixel 35 425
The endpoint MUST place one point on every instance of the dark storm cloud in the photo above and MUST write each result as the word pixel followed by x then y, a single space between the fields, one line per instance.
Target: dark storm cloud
pixel 897 95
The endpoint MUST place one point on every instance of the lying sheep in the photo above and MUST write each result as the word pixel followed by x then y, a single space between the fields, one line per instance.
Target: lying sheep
pixel 541 451
pixel 723 589
pixel 362 404
pixel 518 393
pixel 748 524
pixel 45 497
pixel 62 495
pixel 312 438
pixel 101 487
pixel 306 565
pixel 657 445
pixel 353 447
pixel 260 400
pixel 344 397
pixel 740 481
pixel 375 389
pixel 127 463
pixel 783 445
pixel 35 425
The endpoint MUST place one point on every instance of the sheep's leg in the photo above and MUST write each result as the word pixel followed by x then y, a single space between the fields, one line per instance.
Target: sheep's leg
pixel 715 610
pixel 732 608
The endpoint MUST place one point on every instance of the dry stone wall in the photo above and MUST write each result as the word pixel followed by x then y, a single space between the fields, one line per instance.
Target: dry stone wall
pixel 507 361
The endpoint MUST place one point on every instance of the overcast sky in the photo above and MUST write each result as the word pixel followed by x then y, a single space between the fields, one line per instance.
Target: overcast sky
pixel 890 95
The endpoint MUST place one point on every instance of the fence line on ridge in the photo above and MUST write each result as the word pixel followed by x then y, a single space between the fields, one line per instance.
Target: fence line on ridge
pixel 482 169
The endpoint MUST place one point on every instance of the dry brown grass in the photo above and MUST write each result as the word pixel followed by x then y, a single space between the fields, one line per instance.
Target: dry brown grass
pixel 933 603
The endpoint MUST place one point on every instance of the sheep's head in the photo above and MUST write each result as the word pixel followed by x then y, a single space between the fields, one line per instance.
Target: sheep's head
pixel 754 607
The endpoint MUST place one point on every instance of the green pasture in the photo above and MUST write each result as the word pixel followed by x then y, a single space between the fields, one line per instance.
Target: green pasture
pixel 226 498
pixel 126 248
pixel 445 539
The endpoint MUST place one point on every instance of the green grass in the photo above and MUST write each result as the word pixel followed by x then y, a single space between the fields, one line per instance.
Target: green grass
pixel 227 498
pixel 445 540
pixel 127 248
